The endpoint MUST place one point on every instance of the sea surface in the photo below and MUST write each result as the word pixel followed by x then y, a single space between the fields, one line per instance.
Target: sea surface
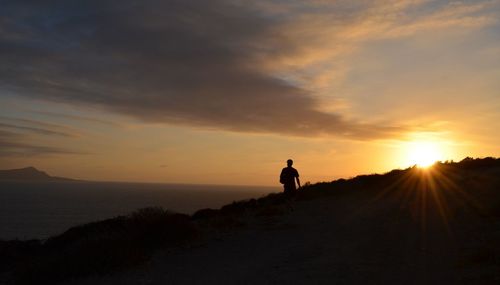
pixel 30 210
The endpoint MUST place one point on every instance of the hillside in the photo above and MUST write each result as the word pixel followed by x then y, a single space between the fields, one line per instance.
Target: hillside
pixel 28 174
pixel 412 226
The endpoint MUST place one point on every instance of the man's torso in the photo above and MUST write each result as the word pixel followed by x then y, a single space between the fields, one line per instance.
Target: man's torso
pixel 288 175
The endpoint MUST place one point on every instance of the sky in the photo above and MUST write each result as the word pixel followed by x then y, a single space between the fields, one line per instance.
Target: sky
pixel 224 92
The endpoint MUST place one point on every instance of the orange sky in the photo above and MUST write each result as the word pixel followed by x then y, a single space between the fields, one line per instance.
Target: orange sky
pixel 225 94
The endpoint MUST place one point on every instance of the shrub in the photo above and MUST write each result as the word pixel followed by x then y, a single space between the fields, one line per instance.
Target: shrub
pixel 105 246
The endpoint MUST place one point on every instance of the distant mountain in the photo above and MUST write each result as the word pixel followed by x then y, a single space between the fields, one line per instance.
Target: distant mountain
pixel 28 174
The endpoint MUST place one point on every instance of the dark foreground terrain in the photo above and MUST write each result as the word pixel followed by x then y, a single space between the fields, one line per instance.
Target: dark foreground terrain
pixel 412 226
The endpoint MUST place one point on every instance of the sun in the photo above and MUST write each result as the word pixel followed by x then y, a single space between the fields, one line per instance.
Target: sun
pixel 423 153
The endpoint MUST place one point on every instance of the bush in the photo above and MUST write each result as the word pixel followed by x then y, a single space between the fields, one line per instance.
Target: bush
pixel 205 214
pixel 105 246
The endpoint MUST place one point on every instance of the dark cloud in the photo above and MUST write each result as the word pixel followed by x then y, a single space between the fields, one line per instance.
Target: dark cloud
pixel 17 149
pixel 8 134
pixel 188 62
pixel 76 118
pixel 14 144
pixel 36 130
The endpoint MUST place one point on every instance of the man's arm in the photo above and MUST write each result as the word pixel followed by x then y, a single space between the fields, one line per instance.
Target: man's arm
pixel 297 177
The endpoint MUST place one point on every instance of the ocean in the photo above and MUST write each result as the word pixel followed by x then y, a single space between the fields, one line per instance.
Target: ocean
pixel 30 210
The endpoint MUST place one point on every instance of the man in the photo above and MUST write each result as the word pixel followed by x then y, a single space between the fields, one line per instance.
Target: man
pixel 288 176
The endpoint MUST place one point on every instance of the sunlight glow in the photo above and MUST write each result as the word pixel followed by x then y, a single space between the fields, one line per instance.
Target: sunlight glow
pixel 423 153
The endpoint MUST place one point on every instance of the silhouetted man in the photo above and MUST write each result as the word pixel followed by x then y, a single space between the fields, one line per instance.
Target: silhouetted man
pixel 288 176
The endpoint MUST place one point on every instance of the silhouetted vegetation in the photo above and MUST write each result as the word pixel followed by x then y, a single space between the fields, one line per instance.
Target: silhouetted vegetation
pixel 95 248
pixel 125 241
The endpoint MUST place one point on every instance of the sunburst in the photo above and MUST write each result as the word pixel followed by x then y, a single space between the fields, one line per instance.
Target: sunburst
pixel 423 153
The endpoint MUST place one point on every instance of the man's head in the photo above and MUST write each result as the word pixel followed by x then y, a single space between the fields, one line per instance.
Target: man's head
pixel 289 162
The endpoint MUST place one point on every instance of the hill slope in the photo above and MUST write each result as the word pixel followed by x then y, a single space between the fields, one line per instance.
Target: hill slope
pixel 412 226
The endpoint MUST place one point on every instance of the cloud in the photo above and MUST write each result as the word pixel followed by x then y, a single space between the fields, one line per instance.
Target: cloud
pixel 36 127
pixel 453 15
pixel 14 144
pixel 20 140
pixel 17 149
pixel 8 134
pixel 76 118
pixel 217 64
